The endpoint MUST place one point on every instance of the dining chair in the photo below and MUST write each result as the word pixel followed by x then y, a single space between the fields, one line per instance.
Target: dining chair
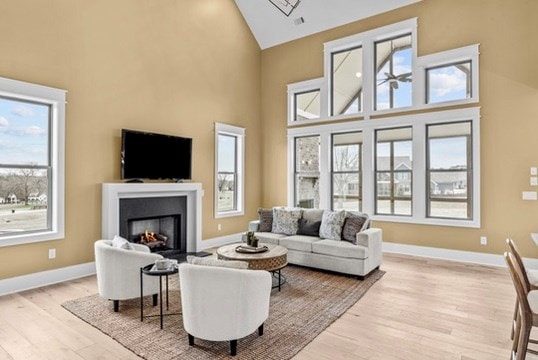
pixel 528 310
pixel 530 278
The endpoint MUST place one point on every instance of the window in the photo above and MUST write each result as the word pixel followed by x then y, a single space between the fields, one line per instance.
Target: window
pixel 307 171
pixel 307 105
pixel 449 172
pixel 448 82
pixel 346 171
pixel 394 165
pixel 31 162
pixel 229 182
pixel 346 83
pixel 393 62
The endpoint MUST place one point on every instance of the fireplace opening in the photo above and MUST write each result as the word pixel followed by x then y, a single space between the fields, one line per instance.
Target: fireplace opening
pixel 158 233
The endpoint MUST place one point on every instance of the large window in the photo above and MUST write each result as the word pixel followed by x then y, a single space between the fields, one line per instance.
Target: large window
pixel 31 162
pixel 346 83
pixel 394 165
pixel 346 171
pixel 307 171
pixel 229 188
pixel 449 170
pixel 393 61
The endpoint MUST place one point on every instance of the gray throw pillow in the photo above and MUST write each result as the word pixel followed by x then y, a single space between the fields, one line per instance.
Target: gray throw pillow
pixel 331 225
pixel 211 261
pixel 266 220
pixel 352 225
pixel 307 227
pixel 286 221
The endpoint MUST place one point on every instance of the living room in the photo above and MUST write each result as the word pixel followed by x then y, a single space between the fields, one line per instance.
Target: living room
pixel 178 68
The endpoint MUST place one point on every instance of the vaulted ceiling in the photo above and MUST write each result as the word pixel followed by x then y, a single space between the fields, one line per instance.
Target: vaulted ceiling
pixel 271 26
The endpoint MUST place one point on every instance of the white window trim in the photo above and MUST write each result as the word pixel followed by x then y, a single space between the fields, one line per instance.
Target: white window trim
pixel 467 53
pixel 56 99
pixel 367 40
pixel 239 133
pixel 418 122
pixel 305 86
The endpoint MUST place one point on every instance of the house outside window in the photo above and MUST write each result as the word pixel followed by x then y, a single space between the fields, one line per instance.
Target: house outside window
pixel 307 171
pixel 31 162
pixel 394 166
pixel 229 170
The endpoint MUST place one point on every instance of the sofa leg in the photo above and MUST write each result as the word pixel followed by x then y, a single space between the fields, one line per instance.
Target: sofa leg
pixel 191 340
pixel 360 277
pixel 155 298
pixel 116 305
pixel 260 330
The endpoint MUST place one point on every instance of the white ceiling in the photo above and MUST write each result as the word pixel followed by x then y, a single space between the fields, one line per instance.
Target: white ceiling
pixel 271 27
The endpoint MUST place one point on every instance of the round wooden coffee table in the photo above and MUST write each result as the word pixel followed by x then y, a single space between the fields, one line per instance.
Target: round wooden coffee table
pixel 272 260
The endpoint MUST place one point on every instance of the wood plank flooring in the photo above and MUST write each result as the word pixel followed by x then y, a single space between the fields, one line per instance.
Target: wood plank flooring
pixel 421 309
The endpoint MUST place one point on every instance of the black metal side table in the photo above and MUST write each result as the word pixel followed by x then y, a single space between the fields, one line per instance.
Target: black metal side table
pixel 148 270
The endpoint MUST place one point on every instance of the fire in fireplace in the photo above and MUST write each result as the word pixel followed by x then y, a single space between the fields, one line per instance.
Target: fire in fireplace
pixel 152 240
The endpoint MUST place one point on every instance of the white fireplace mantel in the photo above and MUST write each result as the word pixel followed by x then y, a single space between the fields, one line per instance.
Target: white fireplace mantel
pixel 113 192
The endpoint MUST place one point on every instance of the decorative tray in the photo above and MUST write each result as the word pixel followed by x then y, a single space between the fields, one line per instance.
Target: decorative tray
pixel 250 249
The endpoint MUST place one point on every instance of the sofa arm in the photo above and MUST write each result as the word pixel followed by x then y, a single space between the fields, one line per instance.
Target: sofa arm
pixel 253 225
pixel 370 238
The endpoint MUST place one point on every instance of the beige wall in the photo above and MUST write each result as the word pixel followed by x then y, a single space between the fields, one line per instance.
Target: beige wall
pixel 506 32
pixel 165 66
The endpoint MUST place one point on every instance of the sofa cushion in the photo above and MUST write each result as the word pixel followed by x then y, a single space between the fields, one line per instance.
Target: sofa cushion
pixel 298 242
pixel 331 224
pixel 268 237
pixel 313 215
pixel 266 220
pixel 286 221
pixel 308 227
pixel 353 224
pixel 342 249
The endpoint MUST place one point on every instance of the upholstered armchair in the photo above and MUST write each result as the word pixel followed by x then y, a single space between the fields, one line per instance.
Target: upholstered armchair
pixel 223 304
pixel 118 271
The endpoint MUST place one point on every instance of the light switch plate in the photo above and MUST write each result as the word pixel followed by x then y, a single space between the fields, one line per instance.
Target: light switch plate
pixel 534 181
pixel 534 170
pixel 530 195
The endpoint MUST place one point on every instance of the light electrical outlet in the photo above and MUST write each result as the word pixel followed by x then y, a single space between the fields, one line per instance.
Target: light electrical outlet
pixel 52 253
pixel 483 240
pixel 219 227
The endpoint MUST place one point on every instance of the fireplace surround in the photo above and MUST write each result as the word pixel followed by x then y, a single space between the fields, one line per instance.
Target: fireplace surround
pixel 152 201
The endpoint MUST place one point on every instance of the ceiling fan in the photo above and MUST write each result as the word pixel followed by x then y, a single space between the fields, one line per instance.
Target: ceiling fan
pixel 394 79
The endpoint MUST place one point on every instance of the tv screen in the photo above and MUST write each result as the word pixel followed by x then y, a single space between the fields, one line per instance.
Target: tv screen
pixel 146 155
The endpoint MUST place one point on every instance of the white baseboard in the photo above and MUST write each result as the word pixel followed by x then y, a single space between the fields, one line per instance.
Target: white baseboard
pixel 453 255
pixel 43 278
pixel 219 241
pixel 49 277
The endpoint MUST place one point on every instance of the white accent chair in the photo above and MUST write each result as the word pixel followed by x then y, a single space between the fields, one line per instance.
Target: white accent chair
pixel 118 272
pixel 223 304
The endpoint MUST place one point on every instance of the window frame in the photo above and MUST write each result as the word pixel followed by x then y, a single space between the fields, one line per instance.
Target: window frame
pixel 359 171
pixel 306 87
pixel 239 134
pixel 297 173
pixel 56 100
pixel 418 123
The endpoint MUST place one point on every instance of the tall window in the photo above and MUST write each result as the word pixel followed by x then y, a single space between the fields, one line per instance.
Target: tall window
pixel 393 59
pixel 229 187
pixel 346 171
pixel 449 170
pixel 346 82
pixel 307 171
pixel 394 165
pixel 31 162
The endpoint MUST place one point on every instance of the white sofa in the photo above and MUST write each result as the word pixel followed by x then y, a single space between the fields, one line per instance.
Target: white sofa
pixel 118 271
pixel 223 304
pixel 334 255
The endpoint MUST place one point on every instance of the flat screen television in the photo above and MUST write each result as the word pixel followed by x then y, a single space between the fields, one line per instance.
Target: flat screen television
pixel 146 155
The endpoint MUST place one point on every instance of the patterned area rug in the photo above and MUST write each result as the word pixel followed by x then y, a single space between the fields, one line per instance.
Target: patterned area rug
pixel 309 302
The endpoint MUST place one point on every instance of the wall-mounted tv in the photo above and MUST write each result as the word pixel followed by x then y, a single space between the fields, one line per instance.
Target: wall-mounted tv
pixel 147 155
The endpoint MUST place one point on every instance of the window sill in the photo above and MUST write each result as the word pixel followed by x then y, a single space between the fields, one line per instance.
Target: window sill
pixel 427 221
pixel 229 214
pixel 29 238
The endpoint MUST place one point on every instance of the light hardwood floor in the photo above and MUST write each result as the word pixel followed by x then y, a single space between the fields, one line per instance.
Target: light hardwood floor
pixel 421 309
